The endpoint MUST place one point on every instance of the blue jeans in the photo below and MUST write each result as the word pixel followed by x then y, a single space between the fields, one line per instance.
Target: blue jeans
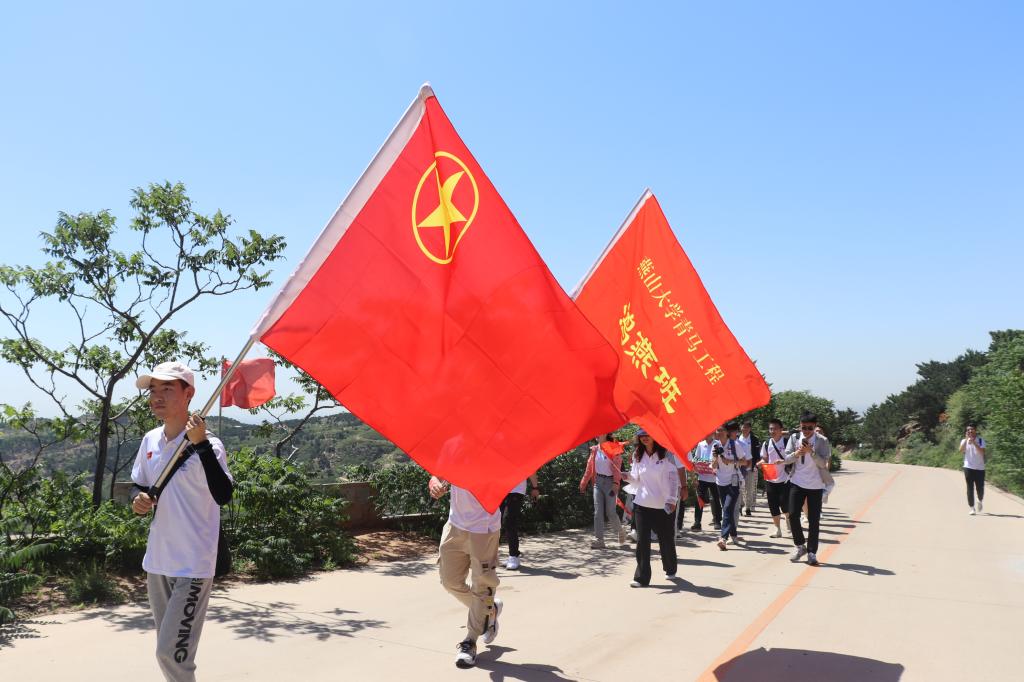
pixel 730 495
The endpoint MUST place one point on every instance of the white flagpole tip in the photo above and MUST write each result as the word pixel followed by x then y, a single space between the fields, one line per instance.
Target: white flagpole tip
pixel 426 91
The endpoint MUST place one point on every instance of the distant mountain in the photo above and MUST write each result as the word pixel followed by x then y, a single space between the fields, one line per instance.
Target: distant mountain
pixel 329 444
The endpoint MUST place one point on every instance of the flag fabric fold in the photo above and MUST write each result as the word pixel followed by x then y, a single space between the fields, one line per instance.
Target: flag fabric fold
pixel 251 385
pixel 426 311
pixel 681 371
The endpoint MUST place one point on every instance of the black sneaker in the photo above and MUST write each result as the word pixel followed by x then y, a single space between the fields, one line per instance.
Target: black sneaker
pixel 718 525
pixel 696 527
pixel 747 513
pixel 466 658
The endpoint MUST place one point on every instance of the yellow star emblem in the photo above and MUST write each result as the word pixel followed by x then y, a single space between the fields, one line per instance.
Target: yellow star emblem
pixel 446 214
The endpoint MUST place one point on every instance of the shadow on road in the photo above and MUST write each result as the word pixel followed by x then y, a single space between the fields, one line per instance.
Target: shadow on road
pixel 488 659
pixel 680 585
pixel 10 633
pixel 860 568
pixel 263 621
pixel 769 665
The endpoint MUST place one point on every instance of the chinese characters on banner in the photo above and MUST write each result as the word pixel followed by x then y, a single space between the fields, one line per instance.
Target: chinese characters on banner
pixel 681 372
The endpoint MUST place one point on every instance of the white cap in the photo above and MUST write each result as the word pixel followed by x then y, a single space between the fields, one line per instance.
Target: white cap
pixel 167 371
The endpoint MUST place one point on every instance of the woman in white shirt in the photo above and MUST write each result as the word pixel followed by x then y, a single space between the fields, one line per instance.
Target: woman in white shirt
pixel 655 483
pixel 972 447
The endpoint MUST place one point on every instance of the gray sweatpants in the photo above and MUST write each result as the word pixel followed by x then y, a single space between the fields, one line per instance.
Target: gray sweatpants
pixel 604 504
pixel 179 609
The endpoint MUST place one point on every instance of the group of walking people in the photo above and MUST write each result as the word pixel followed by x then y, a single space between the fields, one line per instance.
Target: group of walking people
pixel 641 477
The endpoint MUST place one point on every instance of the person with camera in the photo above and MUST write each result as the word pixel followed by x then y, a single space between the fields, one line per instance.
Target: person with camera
pixel 181 551
pixel 776 478
pixel 727 466
pixel 707 488
pixel 972 447
pixel 655 484
pixel 810 454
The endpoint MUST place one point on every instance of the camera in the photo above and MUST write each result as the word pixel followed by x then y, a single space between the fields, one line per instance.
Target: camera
pixel 718 449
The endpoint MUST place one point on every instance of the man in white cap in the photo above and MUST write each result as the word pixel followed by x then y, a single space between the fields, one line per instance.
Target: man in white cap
pixel 181 553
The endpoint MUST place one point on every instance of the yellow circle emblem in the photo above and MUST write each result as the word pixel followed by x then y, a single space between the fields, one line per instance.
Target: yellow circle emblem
pixel 438 234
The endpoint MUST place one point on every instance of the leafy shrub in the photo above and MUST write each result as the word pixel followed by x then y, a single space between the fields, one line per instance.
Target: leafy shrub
pixel 91 585
pixel 15 578
pixel 279 522
pixel 60 508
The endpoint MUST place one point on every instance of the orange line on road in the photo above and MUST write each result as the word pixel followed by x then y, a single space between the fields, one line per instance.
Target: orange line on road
pixel 747 637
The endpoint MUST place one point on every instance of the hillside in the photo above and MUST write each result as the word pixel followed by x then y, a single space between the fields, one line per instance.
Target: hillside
pixel 329 444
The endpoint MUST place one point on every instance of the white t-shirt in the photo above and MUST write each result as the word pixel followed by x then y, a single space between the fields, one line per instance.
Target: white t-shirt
pixel 655 481
pixel 186 524
pixel 972 456
pixel 602 465
pixel 773 452
pixel 701 459
pixel 521 488
pixel 466 513
pixel 805 473
pixel 728 472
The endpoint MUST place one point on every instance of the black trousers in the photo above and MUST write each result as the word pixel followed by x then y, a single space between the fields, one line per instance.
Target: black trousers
pixel 975 479
pixel 661 522
pixel 707 491
pixel 797 495
pixel 511 507
pixel 778 497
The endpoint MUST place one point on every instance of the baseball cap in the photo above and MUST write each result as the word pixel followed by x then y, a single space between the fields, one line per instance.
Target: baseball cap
pixel 167 371
pixel 642 432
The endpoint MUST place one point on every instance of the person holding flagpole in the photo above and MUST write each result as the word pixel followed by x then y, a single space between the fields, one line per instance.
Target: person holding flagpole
pixel 181 551
pixel 469 547
pixel 604 470
pixel 655 483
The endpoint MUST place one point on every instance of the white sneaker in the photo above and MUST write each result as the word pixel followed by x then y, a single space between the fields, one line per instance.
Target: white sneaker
pixel 798 553
pixel 492 630
pixel 979 506
pixel 632 535
pixel 777 533
pixel 812 559
pixel 466 658
pixel 971 512
pixel 513 563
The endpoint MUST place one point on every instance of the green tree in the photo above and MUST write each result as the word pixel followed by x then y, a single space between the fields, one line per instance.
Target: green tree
pixel 123 302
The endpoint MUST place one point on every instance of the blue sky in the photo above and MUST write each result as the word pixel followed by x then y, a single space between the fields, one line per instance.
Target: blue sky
pixel 846 177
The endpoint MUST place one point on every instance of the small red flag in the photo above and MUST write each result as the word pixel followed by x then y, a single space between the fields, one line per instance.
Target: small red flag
pixel 681 371
pixel 425 310
pixel 251 385
pixel 769 471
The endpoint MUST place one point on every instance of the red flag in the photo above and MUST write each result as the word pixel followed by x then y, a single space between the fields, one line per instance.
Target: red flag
pixel 426 311
pixel 682 372
pixel 769 471
pixel 251 385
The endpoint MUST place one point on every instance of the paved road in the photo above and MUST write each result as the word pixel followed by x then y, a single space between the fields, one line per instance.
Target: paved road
pixel 911 588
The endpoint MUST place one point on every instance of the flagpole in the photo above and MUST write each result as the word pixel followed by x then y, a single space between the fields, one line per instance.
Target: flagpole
pixel 161 481
pixel 220 405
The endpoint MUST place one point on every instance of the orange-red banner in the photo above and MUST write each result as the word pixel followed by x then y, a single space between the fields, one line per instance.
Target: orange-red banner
pixel 681 371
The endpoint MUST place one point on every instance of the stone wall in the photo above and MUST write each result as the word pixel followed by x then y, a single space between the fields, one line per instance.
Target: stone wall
pixel 361 510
